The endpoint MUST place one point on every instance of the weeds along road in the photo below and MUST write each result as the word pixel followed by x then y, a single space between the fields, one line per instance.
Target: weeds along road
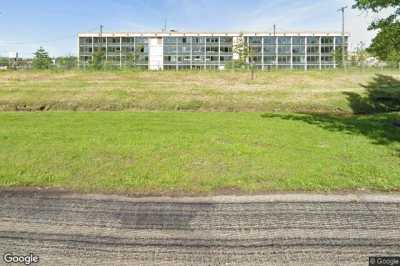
pixel 68 229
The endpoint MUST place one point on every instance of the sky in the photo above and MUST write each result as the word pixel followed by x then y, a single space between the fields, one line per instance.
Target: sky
pixel 25 25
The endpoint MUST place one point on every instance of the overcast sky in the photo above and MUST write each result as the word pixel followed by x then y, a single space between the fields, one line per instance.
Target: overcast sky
pixel 25 24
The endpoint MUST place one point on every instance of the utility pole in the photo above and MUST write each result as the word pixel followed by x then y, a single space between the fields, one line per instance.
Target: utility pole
pixel 101 44
pixel 276 47
pixel 342 9
pixel 101 37
pixel 165 25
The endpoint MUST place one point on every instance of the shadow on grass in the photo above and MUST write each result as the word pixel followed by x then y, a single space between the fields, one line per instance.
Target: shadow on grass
pixel 382 95
pixel 375 113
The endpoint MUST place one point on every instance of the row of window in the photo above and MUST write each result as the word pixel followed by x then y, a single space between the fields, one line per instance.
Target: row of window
pixel 293 49
pixel 296 59
pixel 198 40
pixel 140 49
pixel 197 49
pixel 268 60
pixel 116 59
pixel 271 40
pixel 195 59
pixel 254 40
pixel 113 40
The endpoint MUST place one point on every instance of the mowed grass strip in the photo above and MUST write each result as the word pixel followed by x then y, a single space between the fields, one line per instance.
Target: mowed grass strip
pixel 283 91
pixel 195 153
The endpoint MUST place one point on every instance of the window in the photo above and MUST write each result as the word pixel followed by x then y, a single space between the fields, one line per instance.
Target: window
pixel 255 40
pixel 326 40
pixel 198 40
pixel 269 50
pixel 226 40
pixel 212 49
pixel 169 40
pixel 170 49
pixel 312 50
pixel 184 49
pixel 327 60
pixel 142 40
pixel 327 49
pixel 284 40
pixel 83 40
pixel 128 40
pixel 269 40
pixel 212 40
pixel 113 40
pixel 225 58
pixel 198 59
pixel 284 50
pixel 299 40
pixel 198 49
pixel 283 59
pixel 256 50
pixel 312 40
pixel 269 60
pixel 226 49
pixel 299 60
pixel 256 59
pixel 339 40
pixel 313 59
pixel 299 50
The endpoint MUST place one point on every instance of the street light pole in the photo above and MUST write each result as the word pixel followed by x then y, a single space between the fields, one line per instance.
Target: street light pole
pixel 342 9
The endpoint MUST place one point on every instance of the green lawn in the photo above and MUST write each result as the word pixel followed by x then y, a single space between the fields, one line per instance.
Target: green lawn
pixel 177 153
pixel 283 91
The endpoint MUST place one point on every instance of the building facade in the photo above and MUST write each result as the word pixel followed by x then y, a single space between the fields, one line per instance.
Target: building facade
pixel 178 50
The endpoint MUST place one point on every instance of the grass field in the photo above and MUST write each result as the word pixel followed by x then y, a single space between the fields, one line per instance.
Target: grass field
pixel 191 153
pixel 283 91
pixel 283 131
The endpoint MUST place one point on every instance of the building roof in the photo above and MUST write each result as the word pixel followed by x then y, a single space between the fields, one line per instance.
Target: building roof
pixel 200 34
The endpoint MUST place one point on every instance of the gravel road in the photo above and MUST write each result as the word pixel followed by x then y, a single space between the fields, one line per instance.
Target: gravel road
pixel 71 229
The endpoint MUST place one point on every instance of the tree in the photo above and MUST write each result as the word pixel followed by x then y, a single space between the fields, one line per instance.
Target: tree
pixel 386 45
pixel 98 60
pixel 245 56
pixel 130 60
pixel 242 50
pixel 377 6
pixel 360 55
pixel 3 61
pixel 41 59
pixel 66 62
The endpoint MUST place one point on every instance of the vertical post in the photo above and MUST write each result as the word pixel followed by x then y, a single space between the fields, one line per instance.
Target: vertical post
pixel 177 53
pixel 101 42
pixel 320 52
pixel 276 51
pixel 106 49
pixel 219 52
pixel 120 52
pixel 306 53
pixel 344 42
pixel 291 52
pixel 79 52
pixel 205 52
pixel 191 52
pixel 334 52
pixel 343 38
pixel 92 48
pixel 262 52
